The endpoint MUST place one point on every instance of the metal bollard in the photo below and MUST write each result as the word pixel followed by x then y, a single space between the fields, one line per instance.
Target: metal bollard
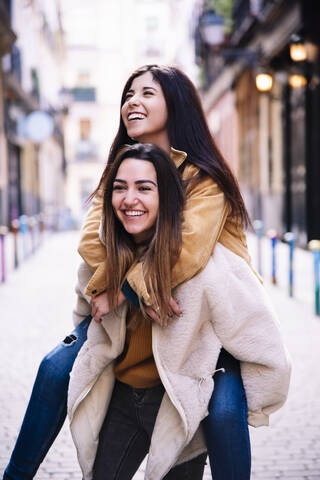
pixel 314 246
pixel 31 226
pixel 3 233
pixel 41 227
pixel 258 227
pixel 272 234
pixel 290 239
pixel 23 230
pixel 15 227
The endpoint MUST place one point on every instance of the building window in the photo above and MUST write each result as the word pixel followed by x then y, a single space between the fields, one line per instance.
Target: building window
pixel 83 79
pixel 83 92
pixel 85 128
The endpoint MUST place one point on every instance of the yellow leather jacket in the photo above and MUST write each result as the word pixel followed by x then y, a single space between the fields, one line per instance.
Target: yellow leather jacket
pixel 206 220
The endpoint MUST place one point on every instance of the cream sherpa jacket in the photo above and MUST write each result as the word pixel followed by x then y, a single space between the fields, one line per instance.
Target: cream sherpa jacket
pixel 224 305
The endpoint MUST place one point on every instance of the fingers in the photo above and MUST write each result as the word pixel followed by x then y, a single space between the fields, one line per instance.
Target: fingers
pixel 93 309
pixel 175 307
pixel 121 298
pixel 152 314
pixel 95 313
pixel 100 306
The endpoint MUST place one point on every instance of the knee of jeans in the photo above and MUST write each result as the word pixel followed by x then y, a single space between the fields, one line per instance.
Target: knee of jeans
pixel 53 371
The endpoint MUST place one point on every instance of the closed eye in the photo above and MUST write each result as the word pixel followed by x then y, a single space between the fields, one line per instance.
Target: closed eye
pixel 118 187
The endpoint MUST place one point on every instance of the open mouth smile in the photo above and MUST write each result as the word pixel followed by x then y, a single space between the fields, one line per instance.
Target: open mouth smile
pixel 136 116
pixel 133 213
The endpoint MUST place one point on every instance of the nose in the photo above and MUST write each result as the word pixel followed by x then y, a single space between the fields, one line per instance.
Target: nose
pixel 130 198
pixel 134 100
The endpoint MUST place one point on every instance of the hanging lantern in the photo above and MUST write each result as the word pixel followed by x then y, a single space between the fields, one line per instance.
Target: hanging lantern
pixel 298 51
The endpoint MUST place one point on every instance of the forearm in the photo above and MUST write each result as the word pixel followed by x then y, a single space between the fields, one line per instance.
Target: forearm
pixel 90 247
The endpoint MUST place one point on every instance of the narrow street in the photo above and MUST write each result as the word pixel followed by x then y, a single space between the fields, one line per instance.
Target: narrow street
pixel 36 304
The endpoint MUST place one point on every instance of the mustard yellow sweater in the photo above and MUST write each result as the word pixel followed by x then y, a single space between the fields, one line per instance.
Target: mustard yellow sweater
pixel 136 365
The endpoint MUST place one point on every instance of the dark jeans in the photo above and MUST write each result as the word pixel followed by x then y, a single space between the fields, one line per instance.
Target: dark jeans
pixel 46 413
pixel 226 426
pixel 126 434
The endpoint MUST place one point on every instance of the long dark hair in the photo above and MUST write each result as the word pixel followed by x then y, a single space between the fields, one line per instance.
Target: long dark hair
pixel 187 131
pixel 163 249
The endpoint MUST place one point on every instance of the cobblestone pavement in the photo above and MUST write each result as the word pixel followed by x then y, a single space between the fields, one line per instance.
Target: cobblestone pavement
pixel 36 303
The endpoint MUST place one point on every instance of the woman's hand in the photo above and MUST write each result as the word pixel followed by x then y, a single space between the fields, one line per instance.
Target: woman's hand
pixel 100 305
pixel 174 310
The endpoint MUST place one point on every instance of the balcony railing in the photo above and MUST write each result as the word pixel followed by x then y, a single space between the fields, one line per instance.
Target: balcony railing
pixel 245 12
pixel 84 94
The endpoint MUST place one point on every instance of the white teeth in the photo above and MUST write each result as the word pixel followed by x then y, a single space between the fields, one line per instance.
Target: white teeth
pixel 136 116
pixel 133 213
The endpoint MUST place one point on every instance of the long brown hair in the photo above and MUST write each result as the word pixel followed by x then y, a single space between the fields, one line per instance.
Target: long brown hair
pixel 188 131
pixel 164 247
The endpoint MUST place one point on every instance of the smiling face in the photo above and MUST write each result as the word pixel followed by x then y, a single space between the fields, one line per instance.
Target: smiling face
pixel 135 197
pixel 144 112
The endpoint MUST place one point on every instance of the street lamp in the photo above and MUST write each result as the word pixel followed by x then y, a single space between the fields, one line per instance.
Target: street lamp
pixel 211 28
pixel 212 33
pixel 298 51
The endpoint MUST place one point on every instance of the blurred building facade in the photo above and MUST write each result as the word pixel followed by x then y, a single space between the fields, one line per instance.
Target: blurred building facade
pixel 274 147
pixel 105 42
pixel 33 163
pixel 7 38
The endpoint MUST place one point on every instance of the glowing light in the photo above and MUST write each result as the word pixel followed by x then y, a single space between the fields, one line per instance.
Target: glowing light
pixel 298 52
pixel 264 82
pixel 297 81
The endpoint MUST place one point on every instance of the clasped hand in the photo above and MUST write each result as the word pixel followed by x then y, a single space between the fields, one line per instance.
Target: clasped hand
pixel 100 306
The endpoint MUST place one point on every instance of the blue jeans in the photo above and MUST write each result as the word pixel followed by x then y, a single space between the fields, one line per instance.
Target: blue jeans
pixel 47 407
pixel 226 428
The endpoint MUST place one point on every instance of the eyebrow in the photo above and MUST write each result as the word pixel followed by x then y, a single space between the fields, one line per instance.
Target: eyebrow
pixel 144 88
pixel 138 182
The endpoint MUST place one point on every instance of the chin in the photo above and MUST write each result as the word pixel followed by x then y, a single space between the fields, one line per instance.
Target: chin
pixel 134 135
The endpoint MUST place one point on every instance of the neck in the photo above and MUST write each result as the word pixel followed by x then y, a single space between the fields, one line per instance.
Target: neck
pixel 161 140
pixel 165 145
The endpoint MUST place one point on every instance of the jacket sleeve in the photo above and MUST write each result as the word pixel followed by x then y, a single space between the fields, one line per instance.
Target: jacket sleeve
pixel 92 249
pixel 205 214
pixel 82 307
